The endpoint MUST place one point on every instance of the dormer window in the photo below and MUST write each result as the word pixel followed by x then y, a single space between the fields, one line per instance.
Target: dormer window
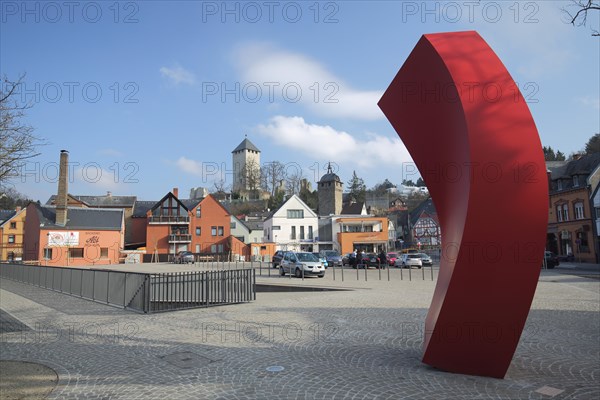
pixel 559 185
pixel 575 180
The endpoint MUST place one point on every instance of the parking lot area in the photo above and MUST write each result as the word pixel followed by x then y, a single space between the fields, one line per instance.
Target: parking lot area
pixel 315 338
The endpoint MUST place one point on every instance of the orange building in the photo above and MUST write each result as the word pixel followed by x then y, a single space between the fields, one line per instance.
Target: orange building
pixel 12 225
pixel 201 226
pixel 366 233
pixel 91 236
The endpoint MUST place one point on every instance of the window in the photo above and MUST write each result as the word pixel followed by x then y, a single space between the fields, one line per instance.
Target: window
pixel 220 248
pixel 198 212
pixel 103 252
pixel 47 254
pixel 565 212
pixel 198 231
pixel 559 217
pixel 13 225
pixel 559 184
pixel 310 232
pixel 575 180
pixel 213 248
pixel 232 225
pixel 197 248
pixel 295 214
pixel 213 231
pixel 221 230
pixel 293 236
pixel 76 252
pixel 11 238
pixel 582 242
pixel 579 210
pixel 276 227
pixel 302 232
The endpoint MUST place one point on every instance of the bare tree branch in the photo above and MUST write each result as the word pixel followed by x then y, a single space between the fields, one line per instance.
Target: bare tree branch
pixel 579 16
pixel 17 141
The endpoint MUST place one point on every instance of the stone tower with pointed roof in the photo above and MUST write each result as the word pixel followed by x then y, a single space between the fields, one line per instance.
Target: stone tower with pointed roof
pixel 246 166
pixel 330 189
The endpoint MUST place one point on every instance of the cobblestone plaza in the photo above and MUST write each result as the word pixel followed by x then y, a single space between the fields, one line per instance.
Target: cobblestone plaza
pixel 362 342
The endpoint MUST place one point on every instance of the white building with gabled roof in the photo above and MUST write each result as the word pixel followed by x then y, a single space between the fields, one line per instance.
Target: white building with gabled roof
pixel 294 226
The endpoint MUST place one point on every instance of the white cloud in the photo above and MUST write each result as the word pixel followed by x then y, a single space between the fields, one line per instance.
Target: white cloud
pixel 326 143
pixel 93 179
pixel 189 166
pixel 321 90
pixel 177 75
pixel 590 101
pixel 110 152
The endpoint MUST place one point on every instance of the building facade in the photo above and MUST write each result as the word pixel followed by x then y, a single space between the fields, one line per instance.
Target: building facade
pixel 12 226
pixel 90 236
pixel 201 226
pixel 572 231
pixel 294 226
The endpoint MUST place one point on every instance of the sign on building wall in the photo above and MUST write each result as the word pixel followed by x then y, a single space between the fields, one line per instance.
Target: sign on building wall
pixel 63 238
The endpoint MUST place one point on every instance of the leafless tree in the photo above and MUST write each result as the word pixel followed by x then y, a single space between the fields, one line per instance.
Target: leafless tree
pixel 579 10
pixel 252 174
pixel 293 181
pixel 220 186
pixel 273 173
pixel 17 141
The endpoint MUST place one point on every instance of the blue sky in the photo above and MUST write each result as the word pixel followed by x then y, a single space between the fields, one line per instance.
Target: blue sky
pixel 151 95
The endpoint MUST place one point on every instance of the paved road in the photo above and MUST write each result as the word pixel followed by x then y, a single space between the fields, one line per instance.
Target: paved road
pixel 362 343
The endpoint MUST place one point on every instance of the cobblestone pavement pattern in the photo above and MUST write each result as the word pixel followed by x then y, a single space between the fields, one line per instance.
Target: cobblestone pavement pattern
pixel 363 343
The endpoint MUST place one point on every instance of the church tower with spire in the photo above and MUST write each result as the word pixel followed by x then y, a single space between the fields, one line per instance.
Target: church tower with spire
pixel 329 190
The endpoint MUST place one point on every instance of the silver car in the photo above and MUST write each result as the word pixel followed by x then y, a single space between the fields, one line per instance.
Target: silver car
pixel 425 259
pixel 409 260
pixel 301 264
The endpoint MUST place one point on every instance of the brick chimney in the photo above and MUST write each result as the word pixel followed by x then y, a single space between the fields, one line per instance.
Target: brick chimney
pixel 175 192
pixel 61 197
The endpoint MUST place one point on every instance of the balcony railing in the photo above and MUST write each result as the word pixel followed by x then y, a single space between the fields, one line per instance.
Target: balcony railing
pixel 181 238
pixel 167 219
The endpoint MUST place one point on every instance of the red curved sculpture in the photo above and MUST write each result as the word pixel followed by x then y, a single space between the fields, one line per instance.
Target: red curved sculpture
pixel 474 141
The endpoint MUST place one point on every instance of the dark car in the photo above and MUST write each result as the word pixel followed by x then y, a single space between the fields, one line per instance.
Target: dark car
pixel 348 259
pixel 551 260
pixel 333 257
pixel 184 257
pixel 370 260
pixel 277 257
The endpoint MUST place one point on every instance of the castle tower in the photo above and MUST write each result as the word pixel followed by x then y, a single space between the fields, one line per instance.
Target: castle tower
pixel 246 166
pixel 329 190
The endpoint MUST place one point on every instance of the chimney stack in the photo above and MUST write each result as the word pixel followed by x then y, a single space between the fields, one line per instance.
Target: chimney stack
pixel 176 192
pixel 61 197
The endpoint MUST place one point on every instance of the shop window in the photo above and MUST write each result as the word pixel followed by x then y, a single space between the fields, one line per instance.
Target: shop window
pixel 76 252
pixel 103 252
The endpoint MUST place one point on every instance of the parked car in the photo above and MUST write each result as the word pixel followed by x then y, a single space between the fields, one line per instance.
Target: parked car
pixel 184 257
pixel 333 257
pixel 277 257
pixel 369 260
pixel 348 259
pixel 323 259
pixel 392 258
pixel 551 260
pixel 301 263
pixel 409 261
pixel 568 258
pixel 425 259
